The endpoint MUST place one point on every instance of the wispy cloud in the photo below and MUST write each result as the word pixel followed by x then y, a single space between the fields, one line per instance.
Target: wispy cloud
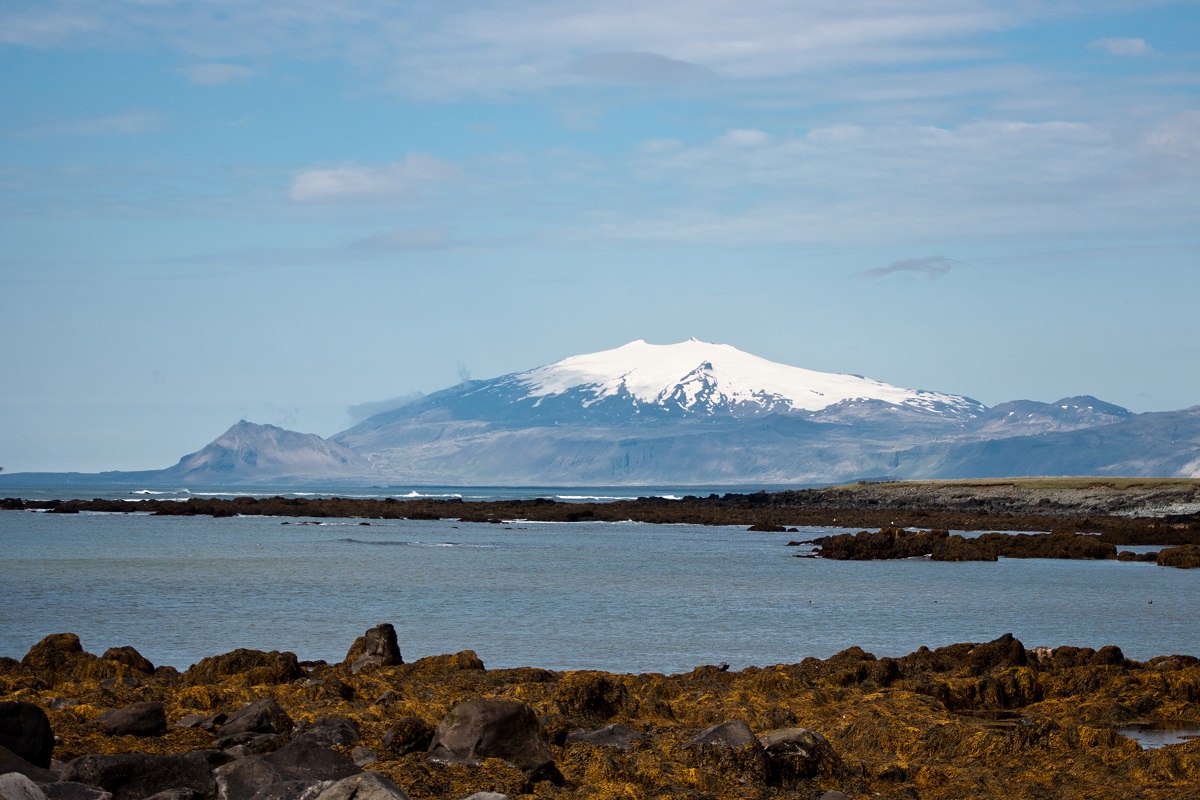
pixel 394 181
pixel 217 74
pixel 522 45
pixel 1121 47
pixel 428 238
pixel 362 411
pixel 930 266
pixel 632 67
pixel 128 123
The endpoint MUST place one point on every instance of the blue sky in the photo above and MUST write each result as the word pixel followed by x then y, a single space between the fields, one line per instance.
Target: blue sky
pixel 280 210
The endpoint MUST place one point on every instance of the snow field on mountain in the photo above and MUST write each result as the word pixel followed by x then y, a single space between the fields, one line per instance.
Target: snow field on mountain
pixel 705 374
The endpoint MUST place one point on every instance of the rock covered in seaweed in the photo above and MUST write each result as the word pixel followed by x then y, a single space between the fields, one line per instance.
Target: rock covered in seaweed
pixel 377 647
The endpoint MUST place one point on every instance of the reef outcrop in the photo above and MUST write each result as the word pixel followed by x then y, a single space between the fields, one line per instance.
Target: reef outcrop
pixel 990 719
pixel 1121 511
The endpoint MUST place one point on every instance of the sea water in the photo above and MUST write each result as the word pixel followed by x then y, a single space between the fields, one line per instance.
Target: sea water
pixel 626 597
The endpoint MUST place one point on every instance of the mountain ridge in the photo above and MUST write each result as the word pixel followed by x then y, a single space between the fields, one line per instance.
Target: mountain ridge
pixel 697 413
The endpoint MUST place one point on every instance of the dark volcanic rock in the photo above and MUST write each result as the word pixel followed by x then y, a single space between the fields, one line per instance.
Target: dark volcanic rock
pixel 139 719
pixel 302 762
pixel 368 786
pixel 375 648
pixel 15 786
pixel 136 776
pixel 408 735
pixel 261 716
pixel 1003 652
pixel 11 762
pixel 329 731
pixel 609 736
pixel 255 666
pixel 129 657
pixel 732 750
pixel 52 653
pixel 77 791
pixel 798 753
pixel 728 734
pixel 505 729
pixel 1185 557
pixel 25 731
pixel 591 696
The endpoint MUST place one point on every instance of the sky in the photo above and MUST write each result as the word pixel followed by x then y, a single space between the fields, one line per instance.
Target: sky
pixel 290 211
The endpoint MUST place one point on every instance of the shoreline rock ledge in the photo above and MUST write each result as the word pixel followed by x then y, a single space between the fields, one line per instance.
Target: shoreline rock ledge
pixel 982 719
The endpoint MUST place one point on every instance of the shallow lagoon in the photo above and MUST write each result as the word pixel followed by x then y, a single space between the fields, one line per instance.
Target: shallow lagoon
pixel 624 597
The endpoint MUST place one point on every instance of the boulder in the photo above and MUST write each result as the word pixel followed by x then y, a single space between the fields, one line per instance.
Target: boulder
pixel 592 696
pixel 1185 556
pixel 504 729
pixel 256 667
pixel 130 658
pixel 11 762
pixel 614 735
pixel 407 735
pixel 53 653
pixel 137 776
pixel 74 791
pixel 796 754
pixel 139 719
pixel 176 794
pixel 362 756
pixel 260 716
pixel 732 751
pixel 375 648
pixel 1006 651
pixel 367 786
pixel 302 761
pixel 15 786
pixel 329 731
pixel 25 731
pixel 728 734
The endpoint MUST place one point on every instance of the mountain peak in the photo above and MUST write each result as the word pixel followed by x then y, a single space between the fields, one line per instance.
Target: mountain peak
pixel 672 375
pixel 250 450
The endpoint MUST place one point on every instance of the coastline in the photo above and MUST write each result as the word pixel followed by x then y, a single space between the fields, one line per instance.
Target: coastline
pixel 1122 511
pixel 968 720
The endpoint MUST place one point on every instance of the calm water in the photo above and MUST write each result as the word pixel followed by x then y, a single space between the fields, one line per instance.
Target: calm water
pixel 624 597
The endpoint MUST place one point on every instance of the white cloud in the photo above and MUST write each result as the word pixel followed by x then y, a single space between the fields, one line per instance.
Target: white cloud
pixel 902 183
pixel 395 181
pixel 744 138
pixel 496 47
pixel 1177 137
pixel 217 74
pixel 1121 47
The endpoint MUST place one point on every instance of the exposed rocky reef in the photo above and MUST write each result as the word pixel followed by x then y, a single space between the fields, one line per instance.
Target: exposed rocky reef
pixel 1122 511
pixel 941 545
pixel 969 720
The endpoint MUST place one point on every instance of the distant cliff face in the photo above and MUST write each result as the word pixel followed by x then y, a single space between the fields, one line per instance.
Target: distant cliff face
pixel 248 452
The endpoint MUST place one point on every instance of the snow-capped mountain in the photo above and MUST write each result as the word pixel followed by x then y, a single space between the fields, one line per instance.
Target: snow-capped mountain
pixel 697 377
pixel 640 384
pixel 679 413
pixel 696 413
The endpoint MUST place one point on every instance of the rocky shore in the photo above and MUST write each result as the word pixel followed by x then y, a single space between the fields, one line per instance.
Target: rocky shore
pixel 992 719
pixel 1122 511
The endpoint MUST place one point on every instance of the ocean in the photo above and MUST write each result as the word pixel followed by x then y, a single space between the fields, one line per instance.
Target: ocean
pixel 623 597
